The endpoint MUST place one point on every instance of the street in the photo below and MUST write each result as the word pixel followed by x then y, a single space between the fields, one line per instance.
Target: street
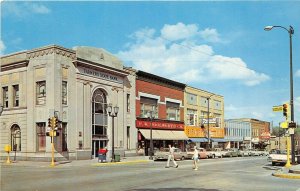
pixel 226 174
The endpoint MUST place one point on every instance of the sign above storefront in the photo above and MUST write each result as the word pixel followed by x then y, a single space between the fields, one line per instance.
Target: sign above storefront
pixel 159 125
pixel 100 75
pixel 265 135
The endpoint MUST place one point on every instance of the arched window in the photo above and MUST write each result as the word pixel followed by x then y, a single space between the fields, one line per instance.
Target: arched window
pixel 99 107
pixel 15 137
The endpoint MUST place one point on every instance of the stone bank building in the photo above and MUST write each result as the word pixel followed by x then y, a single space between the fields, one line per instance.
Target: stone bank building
pixel 76 85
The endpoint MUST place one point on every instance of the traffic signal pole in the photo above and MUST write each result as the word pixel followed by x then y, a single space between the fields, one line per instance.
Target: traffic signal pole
pixel 52 145
pixel 52 124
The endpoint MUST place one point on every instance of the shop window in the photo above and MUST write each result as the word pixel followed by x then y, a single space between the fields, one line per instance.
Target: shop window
pixel 173 111
pixel 16 95
pixel 64 93
pixel 41 93
pixel 41 137
pixel 148 105
pixel 5 96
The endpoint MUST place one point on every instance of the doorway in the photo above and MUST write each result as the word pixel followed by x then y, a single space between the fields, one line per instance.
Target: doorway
pixel 98 144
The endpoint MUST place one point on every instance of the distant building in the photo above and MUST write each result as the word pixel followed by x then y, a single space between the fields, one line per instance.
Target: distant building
pixel 204 110
pixel 281 144
pixel 247 133
pixel 238 134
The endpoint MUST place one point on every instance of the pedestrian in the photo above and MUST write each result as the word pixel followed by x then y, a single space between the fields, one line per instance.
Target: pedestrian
pixel 171 157
pixel 195 158
pixel 102 154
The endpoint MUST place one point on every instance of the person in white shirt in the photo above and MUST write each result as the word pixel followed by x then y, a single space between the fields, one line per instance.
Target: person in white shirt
pixel 171 157
pixel 195 158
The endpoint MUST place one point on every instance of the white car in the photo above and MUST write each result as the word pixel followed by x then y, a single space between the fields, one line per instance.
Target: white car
pixel 278 157
pixel 215 153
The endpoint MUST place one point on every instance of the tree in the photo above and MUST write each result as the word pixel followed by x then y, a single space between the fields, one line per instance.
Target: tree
pixel 278 131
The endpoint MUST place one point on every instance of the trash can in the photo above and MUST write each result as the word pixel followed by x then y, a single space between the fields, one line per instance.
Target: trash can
pixel 101 157
pixel 298 159
pixel 117 158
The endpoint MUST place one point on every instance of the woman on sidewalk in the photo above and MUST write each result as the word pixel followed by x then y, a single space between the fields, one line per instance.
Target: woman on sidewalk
pixel 195 158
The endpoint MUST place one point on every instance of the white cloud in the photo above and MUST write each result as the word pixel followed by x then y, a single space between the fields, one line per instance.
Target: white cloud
pixel 177 54
pixel 23 9
pixel 179 31
pixel 297 73
pixel 210 35
pixel 2 47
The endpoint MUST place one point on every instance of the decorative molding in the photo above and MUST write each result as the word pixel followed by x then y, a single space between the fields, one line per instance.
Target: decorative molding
pixel 51 50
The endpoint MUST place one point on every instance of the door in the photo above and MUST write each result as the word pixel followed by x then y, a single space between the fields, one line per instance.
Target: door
pixel 98 144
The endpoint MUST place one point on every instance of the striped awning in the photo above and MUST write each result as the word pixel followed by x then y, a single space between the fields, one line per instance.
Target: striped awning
pixel 164 134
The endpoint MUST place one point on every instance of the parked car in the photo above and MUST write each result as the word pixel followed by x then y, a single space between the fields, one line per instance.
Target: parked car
pixel 246 153
pixel 280 157
pixel 277 157
pixel 233 152
pixel 215 152
pixel 255 152
pixel 163 154
pixel 202 153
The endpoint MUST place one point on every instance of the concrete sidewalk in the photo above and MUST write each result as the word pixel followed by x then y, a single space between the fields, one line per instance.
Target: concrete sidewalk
pixel 91 162
pixel 291 173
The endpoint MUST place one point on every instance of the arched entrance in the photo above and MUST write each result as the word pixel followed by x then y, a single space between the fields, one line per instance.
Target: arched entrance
pixel 15 134
pixel 99 121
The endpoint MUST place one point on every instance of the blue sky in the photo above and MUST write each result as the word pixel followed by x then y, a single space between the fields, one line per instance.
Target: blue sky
pixel 216 46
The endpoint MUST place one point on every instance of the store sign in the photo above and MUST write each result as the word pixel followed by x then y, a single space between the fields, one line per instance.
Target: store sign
pixel 159 125
pixel 101 75
pixel 265 135
pixel 211 121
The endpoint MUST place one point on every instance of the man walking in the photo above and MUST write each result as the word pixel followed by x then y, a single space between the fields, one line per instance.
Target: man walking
pixel 195 158
pixel 171 157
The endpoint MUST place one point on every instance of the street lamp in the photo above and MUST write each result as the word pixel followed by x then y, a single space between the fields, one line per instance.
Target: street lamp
pixel 291 32
pixel 150 116
pixel 113 115
pixel 208 134
pixel 1 109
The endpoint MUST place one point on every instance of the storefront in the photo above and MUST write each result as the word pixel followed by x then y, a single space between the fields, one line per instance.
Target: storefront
pixel 163 134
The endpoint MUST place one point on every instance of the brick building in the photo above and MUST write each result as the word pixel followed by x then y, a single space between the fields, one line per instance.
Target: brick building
pixel 164 100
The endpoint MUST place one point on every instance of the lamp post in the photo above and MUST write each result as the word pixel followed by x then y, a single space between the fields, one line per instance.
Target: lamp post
pixel 113 114
pixel 208 134
pixel 290 30
pixel 150 116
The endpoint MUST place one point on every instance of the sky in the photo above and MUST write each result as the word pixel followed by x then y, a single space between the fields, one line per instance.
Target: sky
pixel 217 46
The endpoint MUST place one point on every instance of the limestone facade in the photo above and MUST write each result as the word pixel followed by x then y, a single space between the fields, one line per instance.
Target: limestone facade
pixel 76 85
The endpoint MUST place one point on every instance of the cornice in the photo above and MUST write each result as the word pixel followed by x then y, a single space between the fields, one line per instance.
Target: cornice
pixel 52 49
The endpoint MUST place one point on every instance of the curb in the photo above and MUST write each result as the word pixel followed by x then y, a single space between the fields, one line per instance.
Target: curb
pixel 288 176
pixel 120 163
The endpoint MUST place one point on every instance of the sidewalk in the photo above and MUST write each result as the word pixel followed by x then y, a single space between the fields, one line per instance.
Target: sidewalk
pixel 291 173
pixel 91 162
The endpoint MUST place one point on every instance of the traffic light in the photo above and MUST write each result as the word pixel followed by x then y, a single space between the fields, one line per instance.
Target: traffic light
pixel 285 110
pixel 55 133
pixel 49 122
pixel 56 122
pixel 53 122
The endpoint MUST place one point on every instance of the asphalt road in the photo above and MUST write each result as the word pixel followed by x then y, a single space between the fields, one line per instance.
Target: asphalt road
pixel 227 174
